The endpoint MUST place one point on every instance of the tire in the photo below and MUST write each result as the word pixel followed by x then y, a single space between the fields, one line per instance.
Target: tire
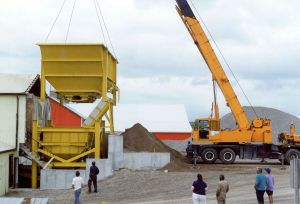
pixel 209 155
pixel 227 156
pixel 291 154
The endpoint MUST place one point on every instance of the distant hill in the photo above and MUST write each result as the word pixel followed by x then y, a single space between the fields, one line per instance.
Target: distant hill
pixel 280 120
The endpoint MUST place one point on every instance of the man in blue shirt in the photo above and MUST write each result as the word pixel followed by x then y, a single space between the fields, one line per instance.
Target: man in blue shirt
pixel 260 185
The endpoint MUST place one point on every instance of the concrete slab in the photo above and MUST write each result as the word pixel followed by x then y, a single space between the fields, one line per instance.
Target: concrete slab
pixel 115 149
pixel 145 160
pixel 58 179
pixel 62 179
pixel 6 200
pixel 115 143
pixel 12 200
pixel 118 160
pixel 134 160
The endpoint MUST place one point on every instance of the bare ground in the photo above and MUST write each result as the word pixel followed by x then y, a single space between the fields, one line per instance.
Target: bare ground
pixel 157 187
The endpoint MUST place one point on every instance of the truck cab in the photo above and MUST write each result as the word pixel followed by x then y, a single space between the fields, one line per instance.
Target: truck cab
pixel 203 128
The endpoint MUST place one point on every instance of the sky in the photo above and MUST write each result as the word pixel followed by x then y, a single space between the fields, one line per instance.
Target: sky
pixel 158 61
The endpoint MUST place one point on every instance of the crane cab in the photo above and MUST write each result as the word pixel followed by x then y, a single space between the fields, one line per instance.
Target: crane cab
pixel 204 127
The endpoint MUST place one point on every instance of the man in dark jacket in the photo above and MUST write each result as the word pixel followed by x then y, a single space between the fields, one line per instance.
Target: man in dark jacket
pixel 94 171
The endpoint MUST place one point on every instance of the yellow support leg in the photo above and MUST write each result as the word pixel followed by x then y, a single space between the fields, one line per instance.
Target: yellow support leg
pixel 34 175
pixel 97 140
pixel 104 76
pixel 43 86
pixel 34 153
pixel 111 119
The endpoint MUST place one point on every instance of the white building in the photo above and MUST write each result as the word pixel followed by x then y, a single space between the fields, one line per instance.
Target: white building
pixel 165 121
pixel 14 89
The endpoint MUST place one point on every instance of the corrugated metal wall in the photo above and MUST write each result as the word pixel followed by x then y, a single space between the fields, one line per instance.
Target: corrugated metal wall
pixel 8 111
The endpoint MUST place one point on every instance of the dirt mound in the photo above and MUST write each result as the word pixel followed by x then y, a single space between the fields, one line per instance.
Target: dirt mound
pixel 139 139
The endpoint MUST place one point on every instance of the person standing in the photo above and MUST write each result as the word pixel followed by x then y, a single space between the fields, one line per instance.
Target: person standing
pixel 270 186
pixel 222 189
pixel 199 189
pixel 77 184
pixel 260 185
pixel 94 171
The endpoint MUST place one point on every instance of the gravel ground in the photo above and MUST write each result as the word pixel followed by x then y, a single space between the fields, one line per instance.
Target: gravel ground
pixel 150 187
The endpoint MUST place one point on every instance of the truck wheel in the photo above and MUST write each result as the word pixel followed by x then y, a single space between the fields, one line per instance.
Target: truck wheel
pixel 209 155
pixel 292 154
pixel 227 156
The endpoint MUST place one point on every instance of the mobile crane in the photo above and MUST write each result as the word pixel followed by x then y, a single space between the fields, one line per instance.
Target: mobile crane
pixel 250 139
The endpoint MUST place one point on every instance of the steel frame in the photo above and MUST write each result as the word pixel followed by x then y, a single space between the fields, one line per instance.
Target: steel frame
pixel 97 127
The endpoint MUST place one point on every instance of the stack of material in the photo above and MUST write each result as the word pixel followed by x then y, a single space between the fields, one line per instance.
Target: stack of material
pixel 280 120
pixel 139 139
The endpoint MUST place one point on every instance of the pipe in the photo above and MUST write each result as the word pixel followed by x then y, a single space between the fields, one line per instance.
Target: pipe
pixel 17 124
pixel 17 143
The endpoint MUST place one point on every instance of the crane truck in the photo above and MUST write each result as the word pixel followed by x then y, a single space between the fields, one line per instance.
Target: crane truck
pixel 251 139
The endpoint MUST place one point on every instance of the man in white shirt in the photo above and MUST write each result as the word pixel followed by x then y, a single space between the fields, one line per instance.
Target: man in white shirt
pixel 77 184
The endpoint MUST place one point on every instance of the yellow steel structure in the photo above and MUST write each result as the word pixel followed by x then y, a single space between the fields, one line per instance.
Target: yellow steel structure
pixel 79 73
pixel 258 131
pixel 291 138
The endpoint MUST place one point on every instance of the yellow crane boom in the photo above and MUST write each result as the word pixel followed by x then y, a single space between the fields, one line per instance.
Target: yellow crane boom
pixel 248 140
pixel 207 52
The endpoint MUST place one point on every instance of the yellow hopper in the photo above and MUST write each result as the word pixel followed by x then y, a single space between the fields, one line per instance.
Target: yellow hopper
pixel 78 72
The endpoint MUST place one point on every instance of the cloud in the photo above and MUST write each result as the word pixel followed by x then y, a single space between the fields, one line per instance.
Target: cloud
pixel 198 97
pixel 159 62
pixel 258 38
pixel 166 90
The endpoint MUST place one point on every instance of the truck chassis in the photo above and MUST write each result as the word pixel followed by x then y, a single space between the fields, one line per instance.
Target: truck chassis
pixel 227 153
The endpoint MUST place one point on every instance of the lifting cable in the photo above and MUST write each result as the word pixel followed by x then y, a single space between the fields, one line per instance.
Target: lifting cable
pixel 70 21
pixel 109 39
pixel 227 64
pixel 100 17
pixel 100 24
pixel 58 14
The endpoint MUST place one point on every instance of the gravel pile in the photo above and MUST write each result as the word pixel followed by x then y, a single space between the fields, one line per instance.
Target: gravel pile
pixel 139 139
pixel 280 120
